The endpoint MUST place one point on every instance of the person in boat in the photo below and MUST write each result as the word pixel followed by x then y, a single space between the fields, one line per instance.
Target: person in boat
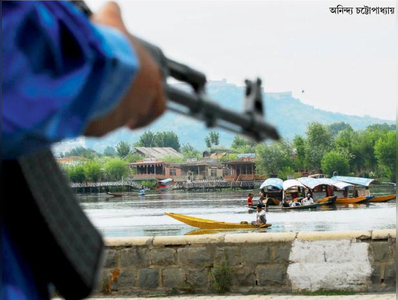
pixel 285 203
pixel 294 203
pixel 260 217
pixel 307 200
pixel 250 199
pixel 355 192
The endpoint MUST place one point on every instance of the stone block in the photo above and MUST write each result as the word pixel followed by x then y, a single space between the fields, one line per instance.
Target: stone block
pixel 252 255
pixel 243 277
pixel 281 253
pixel 196 257
pixel 231 254
pixel 134 257
pixel 127 278
pixel 377 274
pixel 148 278
pixel 163 257
pixel 173 278
pixel 271 275
pixel 380 251
pixel 111 259
pixel 198 278
pixel 390 273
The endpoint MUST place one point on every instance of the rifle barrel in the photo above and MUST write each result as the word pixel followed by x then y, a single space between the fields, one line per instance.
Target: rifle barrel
pixel 203 108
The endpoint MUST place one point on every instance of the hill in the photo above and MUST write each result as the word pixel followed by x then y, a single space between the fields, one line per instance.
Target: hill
pixel 288 114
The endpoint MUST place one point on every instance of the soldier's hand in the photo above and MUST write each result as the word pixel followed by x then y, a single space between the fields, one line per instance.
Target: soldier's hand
pixel 144 100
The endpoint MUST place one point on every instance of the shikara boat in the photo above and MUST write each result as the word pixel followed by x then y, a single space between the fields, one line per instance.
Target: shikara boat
pixel 273 190
pixel 383 198
pixel 212 224
pixel 365 182
pixel 353 200
pixel 330 200
pixel 308 206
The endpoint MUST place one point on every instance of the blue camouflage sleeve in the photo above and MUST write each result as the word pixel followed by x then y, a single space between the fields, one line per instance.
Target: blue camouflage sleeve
pixel 59 72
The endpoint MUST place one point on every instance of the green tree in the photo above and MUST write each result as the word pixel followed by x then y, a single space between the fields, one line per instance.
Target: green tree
pixel 319 142
pixel 212 139
pixel 208 142
pixel 92 171
pixel 385 151
pixel 81 151
pixel 75 174
pixel 272 158
pixel 110 151
pixel 167 139
pixel 243 145
pixel 147 139
pixel 115 169
pixel 366 146
pixel 334 161
pixel 190 152
pixel 299 146
pixel 336 127
pixel 123 149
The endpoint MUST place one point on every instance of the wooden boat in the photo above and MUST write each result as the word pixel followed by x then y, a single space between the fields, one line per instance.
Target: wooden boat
pixel 384 198
pixel 308 206
pixel 330 200
pixel 212 224
pixel 355 200
pixel 115 194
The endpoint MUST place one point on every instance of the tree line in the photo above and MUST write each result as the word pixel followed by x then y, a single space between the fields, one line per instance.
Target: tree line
pixel 323 149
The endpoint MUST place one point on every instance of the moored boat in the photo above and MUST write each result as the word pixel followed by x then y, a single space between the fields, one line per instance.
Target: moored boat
pixel 353 200
pixel 329 200
pixel 307 206
pixel 383 198
pixel 212 224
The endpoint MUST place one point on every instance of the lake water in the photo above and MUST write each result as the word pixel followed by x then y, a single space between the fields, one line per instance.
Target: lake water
pixel 135 215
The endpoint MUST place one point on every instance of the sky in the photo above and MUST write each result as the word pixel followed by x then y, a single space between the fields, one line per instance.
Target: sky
pixel 343 63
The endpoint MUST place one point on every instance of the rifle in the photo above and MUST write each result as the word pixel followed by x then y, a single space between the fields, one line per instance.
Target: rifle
pixel 198 105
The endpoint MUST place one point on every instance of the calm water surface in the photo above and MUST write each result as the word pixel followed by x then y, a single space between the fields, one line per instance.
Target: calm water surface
pixel 135 215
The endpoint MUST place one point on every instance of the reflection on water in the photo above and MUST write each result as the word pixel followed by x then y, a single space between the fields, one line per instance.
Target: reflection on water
pixel 135 215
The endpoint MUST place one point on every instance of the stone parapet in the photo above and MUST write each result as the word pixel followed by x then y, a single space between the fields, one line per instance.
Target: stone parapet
pixel 362 261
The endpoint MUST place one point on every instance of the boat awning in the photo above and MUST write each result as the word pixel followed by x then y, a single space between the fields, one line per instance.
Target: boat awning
pixel 168 180
pixel 338 184
pixel 291 183
pixel 310 183
pixel 273 183
pixel 354 180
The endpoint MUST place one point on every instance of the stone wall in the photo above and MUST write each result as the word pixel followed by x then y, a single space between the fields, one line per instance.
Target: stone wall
pixel 256 262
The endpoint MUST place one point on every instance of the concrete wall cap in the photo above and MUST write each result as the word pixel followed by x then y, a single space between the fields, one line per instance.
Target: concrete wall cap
pixel 384 234
pixel 260 237
pixel 335 235
pixel 128 242
pixel 188 239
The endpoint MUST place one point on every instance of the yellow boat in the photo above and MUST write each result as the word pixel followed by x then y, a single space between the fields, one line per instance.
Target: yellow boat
pixel 384 198
pixel 212 224
pixel 355 200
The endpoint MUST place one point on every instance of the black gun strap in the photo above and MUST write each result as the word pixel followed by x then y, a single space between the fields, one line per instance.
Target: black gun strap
pixel 48 224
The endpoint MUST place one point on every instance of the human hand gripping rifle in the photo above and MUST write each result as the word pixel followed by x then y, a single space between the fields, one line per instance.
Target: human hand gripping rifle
pixel 198 105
